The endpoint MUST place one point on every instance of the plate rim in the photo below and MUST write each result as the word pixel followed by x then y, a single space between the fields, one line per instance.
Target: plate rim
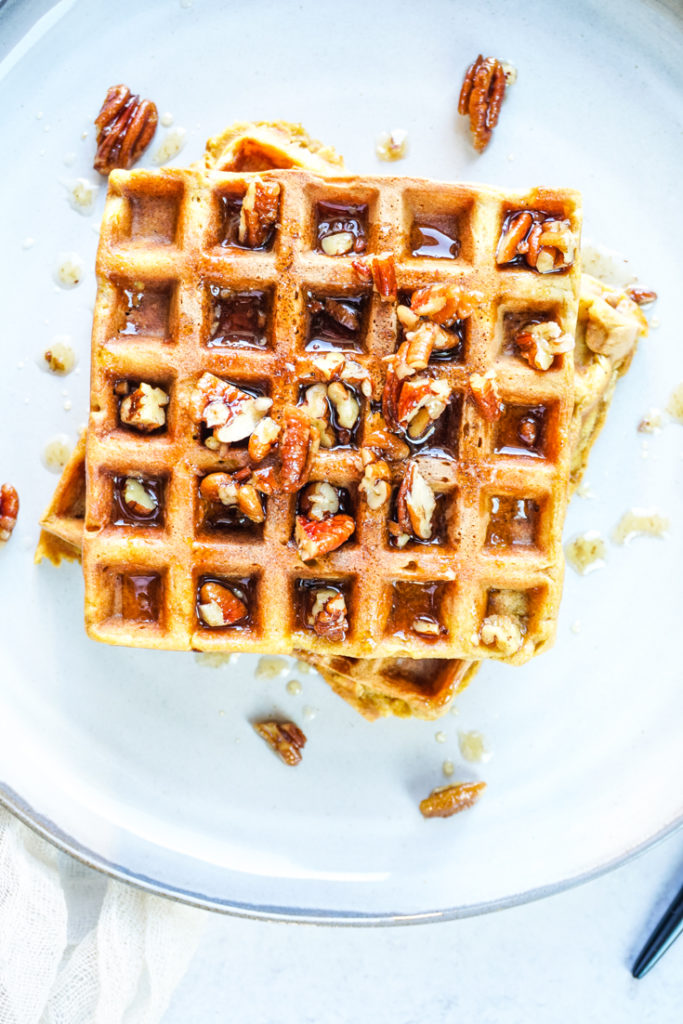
pixel 51 833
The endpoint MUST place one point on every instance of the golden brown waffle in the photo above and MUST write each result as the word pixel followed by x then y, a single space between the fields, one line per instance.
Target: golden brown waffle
pixel 269 145
pixel 160 254
pixel 420 687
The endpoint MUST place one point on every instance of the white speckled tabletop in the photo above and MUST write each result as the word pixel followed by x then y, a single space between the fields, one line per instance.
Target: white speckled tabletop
pixel 562 960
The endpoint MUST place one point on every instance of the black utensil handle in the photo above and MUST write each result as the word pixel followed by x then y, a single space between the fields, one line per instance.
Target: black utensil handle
pixel 664 935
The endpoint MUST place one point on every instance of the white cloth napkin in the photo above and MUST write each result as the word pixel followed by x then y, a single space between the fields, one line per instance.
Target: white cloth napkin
pixel 78 948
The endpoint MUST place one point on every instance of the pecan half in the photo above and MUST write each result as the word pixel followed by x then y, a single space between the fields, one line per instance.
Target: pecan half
pixel 125 126
pixel 285 738
pixel 298 446
pixel 481 96
pixel 415 504
pixel 319 537
pixel 259 213
pixel 9 510
pixel 327 617
pixel 485 395
pixel 450 800
pixel 219 606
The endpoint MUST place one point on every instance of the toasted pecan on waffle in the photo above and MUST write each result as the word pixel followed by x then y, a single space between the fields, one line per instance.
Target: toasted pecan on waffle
pixel 421 687
pixel 215 297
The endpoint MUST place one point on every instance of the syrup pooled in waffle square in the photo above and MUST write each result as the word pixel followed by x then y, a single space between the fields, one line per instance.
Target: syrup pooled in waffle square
pixel 310 428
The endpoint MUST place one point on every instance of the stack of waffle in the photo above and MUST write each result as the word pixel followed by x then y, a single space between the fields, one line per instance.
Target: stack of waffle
pixel 333 416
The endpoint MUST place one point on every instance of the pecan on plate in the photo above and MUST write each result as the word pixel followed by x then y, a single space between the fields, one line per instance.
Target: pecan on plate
pixel 9 510
pixel 125 126
pixel 641 296
pixel 285 738
pixel 481 96
pixel 449 800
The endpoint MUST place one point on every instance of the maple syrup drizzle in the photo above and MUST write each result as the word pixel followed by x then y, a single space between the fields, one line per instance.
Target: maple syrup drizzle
pixel 240 319
pixel 123 515
pixel 141 597
pixel 243 588
pixel 335 218
pixel 415 601
pixel 435 237
pixel 512 522
pixel 335 321
pixel 230 210
pixel 145 311
pixel 521 430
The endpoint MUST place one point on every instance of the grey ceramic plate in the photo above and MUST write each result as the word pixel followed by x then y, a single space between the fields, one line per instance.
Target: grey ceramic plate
pixel 144 763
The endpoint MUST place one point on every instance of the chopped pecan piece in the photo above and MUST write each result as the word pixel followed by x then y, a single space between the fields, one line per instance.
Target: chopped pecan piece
pixel 540 343
pixel 298 446
pixel 144 408
pixel 481 96
pixel 641 296
pixel 547 244
pixel 421 401
pixel 449 800
pixel 285 738
pixel 259 213
pixel 485 394
pixel 445 303
pixel 219 606
pixel 415 504
pixel 345 404
pixel 513 236
pixel 376 481
pixel 137 498
pixel 378 435
pixel 314 538
pixel 327 617
pixel 344 315
pixel 381 270
pixel 232 414
pixel 319 500
pixel 9 510
pixel 125 126
pixel 234 490
pixel 263 438
pixel 504 632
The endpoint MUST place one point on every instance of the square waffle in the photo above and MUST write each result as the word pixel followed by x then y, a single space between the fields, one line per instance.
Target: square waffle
pixel 401 686
pixel 168 253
